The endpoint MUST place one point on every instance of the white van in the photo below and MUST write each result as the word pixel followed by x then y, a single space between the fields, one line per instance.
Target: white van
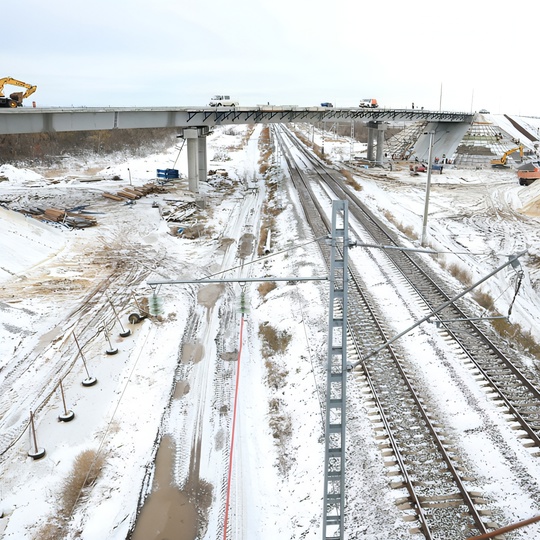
pixel 222 101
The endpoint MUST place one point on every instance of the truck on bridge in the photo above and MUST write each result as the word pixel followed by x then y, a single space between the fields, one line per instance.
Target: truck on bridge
pixel 370 102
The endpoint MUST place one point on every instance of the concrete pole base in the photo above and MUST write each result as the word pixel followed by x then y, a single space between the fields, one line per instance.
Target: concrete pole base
pixel 90 381
pixel 38 453
pixel 66 417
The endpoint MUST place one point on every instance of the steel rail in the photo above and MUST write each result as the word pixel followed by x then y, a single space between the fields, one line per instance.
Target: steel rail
pixel 408 480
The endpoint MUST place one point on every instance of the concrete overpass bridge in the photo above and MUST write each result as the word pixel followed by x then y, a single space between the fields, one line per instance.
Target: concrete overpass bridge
pixel 194 123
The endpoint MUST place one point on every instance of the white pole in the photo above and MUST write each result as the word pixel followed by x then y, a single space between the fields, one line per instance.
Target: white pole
pixel 428 186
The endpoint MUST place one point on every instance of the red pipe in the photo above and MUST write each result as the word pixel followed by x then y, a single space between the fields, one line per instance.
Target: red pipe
pixel 232 434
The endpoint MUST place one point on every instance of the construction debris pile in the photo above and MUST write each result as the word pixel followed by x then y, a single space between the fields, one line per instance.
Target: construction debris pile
pixel 130 193
pixel 64 217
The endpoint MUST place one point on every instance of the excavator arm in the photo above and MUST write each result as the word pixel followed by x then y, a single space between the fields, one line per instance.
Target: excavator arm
pixel 502 161
pixel 16 96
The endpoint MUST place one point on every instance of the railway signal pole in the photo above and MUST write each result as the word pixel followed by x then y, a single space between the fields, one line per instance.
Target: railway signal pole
pixel 334 472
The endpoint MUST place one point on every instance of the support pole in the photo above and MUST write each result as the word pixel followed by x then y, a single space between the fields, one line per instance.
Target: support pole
pixel 111 350
pixel 428 187
pixel 124 332
pixel 35 452
pixel 66 416
pixel 89 381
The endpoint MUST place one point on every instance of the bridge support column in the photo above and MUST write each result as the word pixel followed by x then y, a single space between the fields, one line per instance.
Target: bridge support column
pixel 376 134
pixel 370 136
pixel 196 153
pixel 203 162
pixel 381 128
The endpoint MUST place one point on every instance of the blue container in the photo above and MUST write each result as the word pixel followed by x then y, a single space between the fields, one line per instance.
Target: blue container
pixel 168 173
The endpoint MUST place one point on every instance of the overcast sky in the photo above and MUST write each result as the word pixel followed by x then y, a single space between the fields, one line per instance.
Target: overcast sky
pixel 470 55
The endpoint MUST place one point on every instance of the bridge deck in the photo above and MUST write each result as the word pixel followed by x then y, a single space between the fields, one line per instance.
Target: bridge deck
pixel 46 120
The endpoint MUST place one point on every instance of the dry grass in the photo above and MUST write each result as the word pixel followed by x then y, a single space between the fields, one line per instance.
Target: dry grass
pixel 265 287
pixel 515 334
pixel 407 230
pixel 317 150
pixel 349 180
pixel 263 167
pixel 280 421
pixel 265 149
pixel 483 299
pixel 52 530
pixel 273 341
pixel 463 276
pixel 85 471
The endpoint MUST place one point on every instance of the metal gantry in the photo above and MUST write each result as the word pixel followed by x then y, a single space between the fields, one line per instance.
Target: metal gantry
pixel 334 473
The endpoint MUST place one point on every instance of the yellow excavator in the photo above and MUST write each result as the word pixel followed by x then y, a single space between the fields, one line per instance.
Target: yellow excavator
pixel 501 162
pixel 16 98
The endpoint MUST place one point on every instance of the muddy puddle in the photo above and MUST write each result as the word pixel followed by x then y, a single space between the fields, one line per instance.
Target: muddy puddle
pixel 208 295
pixel 181 389
pixel 192 352
pixel 167 513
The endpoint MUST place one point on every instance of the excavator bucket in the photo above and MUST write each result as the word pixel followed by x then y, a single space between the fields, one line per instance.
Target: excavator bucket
pixel 17 96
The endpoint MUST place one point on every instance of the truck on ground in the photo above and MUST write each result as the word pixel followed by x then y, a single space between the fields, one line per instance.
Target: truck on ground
pixel 222 101
pixel 528 173
pixel 369 102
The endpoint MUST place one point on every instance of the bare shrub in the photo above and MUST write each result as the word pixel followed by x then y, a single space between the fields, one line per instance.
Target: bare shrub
pixel 265 287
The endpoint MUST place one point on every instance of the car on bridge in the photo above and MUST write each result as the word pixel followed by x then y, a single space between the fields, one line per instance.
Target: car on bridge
pixel 222 101
pixel 326 104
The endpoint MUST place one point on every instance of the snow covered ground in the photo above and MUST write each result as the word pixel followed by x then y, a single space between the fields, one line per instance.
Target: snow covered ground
pixel 173 378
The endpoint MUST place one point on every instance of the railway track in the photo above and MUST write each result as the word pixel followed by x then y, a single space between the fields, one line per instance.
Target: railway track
pixel 440 500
